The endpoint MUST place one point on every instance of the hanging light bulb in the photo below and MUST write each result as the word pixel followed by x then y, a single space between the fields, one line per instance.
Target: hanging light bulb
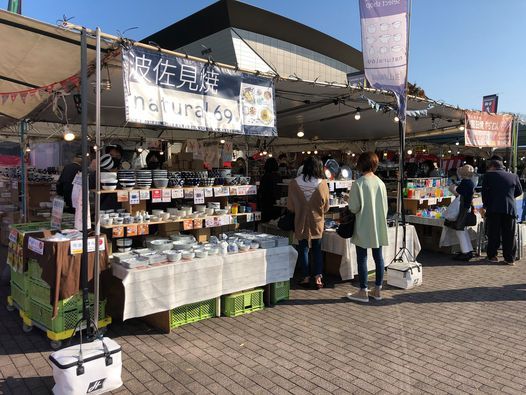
pixel 140 149
pixel 385 154
pixel 315 150
pixel 222 141
pixel 300 134
pixel 28 149
pixel 457 142
pixel 396 119
pixel 424 150
pixel 409 152
pixel 357 116
pixel 461 127
pixel 448 151
pixel 442 155
pixel 303 152
pixel 161 153
pixel 270 154
pixel 264 152
pixel 458 152
pixel 68 134
pixel 308 152
pixel 353 154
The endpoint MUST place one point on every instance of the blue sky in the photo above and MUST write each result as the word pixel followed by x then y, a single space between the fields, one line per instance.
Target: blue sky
pixel 460 50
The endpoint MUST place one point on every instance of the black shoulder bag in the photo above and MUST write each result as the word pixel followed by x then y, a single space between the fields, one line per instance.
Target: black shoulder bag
pixel 346 227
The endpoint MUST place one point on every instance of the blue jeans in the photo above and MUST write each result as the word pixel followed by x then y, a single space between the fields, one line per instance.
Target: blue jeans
pixel 303 257
pixel 361 257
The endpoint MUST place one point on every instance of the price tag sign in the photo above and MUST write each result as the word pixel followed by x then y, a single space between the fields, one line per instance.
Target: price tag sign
pixel 233 191
pixel 76 245
pixel 122 196
pixel 432 201
pixel 209 192
pixel 177 193
pixel 221 191
pixel 257 216
pixel 56 213
pixel 421 201
pixel 198 223
pixel 13 235
pixel 118 231
pixel 250 217
pixel 36 245
pixel 241 190
pixel 225 220
pixel 331 186
pixel 210 222
pixel 131 230
pixel 199 196
pixel 188 224
pixel 167 196
pixel 157 196
pixel 189 193
pixel 135 197
pixel 144 195
pixel 251 190
pixel 143 229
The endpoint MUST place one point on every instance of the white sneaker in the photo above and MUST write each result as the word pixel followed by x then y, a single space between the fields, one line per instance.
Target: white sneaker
pixel 376 293
pixel 360 296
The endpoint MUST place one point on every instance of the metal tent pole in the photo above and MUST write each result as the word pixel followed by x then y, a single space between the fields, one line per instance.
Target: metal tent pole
pixel 23 169
pixel 96 268
pixel 85 186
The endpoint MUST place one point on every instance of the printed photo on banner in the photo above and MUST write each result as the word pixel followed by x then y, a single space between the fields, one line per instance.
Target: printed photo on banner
pixel 166 90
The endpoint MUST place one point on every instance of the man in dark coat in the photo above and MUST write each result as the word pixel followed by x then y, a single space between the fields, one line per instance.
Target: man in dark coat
pixel 499 190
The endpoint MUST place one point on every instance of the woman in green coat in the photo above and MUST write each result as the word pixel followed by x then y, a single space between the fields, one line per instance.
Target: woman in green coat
pixel 368 201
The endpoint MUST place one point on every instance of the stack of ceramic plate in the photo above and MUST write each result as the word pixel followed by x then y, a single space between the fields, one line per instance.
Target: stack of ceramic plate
pixel 160 178
pixel 108 181
pixel 144 179
pixel 126 179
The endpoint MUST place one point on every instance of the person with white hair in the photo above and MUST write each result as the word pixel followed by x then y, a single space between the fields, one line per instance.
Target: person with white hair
pixel 464 191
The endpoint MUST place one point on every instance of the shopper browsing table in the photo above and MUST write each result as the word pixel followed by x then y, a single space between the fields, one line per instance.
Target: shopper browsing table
pixel 463 191
pixel 269 191
pixel 499 190
pixel 308 199
pixel 368 201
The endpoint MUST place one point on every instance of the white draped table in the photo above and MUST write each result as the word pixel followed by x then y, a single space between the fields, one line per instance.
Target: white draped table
pixel 333 243
pixel 164 287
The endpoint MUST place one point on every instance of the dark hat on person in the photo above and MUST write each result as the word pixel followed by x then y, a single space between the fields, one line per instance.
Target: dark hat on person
pixel 106 162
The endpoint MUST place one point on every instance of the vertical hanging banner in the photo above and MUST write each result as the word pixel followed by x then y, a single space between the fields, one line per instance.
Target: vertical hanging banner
pixel 487 130
pixel 176 92
pixel 384 46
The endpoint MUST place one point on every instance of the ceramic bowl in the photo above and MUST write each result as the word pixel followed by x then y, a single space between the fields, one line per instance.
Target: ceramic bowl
pixel 209 211
pixel 173 256
pixel 165 216
pixel 160 245
pixel 157 212
pixel 124 249
pixel 200 207
pixel 220 211
pixel 160 182
pixel 244 248
pixel 254 245
pixel 187 255
pixel 201 253
pixel 125 242
pixel 118 221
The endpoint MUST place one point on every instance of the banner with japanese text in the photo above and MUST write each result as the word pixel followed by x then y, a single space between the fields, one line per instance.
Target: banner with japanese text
pixel 384 46
pixel 487 130
pixel 176 92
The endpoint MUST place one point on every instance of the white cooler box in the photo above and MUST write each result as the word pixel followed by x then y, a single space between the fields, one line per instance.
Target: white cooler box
pixel 404 275
pixel 99 372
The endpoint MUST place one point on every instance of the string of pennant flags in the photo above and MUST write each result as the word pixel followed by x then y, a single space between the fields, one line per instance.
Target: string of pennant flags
pixel 387 107
pixel 42 91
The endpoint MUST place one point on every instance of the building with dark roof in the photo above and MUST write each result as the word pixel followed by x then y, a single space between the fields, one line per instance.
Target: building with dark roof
pixel 239 34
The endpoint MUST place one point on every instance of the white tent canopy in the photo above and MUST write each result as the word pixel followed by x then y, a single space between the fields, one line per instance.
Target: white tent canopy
pixel 35 55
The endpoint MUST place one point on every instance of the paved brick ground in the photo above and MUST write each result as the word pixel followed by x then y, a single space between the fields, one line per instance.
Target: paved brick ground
pixel 463 331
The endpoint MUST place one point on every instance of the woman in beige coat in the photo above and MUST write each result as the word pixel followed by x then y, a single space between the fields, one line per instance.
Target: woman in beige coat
pixel 308 198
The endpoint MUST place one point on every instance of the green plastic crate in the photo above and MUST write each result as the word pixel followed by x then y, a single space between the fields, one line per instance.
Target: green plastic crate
pixel 242 302
pixel 42 313
pixel 40 291
pixel 279 291
pixel 65 319
pixel 34 270
pixel 20 279
pixel 20 297
pixel 192 312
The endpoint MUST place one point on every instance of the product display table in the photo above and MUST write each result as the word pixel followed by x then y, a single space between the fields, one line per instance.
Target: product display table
pixel 166 286
pixel 333 243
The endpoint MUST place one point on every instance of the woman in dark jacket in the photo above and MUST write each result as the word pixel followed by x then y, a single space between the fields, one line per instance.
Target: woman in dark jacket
pixel 269 191
pixel 464 191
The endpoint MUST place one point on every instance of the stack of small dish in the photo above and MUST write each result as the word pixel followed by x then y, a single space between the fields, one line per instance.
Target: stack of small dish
pixel 160 178
pixel 126 178
pixel 108 181
pixel 124 245
pixel 144 179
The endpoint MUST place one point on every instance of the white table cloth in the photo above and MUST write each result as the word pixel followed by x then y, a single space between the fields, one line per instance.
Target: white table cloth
pixel 333 243
pixel 160 288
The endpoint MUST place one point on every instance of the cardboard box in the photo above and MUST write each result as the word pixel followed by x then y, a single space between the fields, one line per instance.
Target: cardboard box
pixel 169 229
pixel 202 234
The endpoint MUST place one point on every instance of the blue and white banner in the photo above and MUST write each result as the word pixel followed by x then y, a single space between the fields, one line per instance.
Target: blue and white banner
pixel 176 92
pixel 384 45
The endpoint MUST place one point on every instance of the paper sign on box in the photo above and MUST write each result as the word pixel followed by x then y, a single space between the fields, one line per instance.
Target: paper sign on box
pixel 122 196
pixel 189 193
pixel 167 196
pixel 177 193
pixel 131 230
pixel 118 231
pixel 144 195
pixel 157 196
pixel 135 197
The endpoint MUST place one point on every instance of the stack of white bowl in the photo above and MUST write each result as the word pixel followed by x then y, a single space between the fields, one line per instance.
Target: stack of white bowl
pixel 108 181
